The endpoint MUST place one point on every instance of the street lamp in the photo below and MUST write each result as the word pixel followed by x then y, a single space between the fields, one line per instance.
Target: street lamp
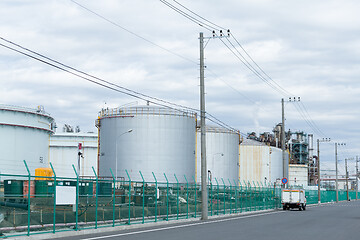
pixel 336 170
pixel 318 165
pixel 116 154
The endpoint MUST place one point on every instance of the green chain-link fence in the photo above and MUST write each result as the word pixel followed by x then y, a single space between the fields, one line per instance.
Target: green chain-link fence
pixel 32 204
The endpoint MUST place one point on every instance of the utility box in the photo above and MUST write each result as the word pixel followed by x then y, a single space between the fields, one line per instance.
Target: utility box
pixel 293 198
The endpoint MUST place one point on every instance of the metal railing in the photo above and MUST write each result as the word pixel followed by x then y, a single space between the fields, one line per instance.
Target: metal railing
pixel 32 206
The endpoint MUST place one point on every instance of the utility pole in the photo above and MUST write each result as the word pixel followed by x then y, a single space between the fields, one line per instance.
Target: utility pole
pixel 283 148
pixel 347 182
pixel 204 197
pixel 204 170
pixel 336 170
pixel 318 165
pixel 318 168
pixel 357 174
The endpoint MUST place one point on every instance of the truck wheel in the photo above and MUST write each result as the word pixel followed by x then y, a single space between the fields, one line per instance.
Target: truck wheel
pixel 300 208
pixel 284 207
pixel 304 207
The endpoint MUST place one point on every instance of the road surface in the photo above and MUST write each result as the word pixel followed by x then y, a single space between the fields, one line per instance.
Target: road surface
pixel 326 222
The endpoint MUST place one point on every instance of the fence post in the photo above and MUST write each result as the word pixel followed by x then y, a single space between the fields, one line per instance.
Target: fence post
pixel 224 196
pixel 236 197
pixel 114 180
pixel 241 194
pixel 77 199
pixel 195 193
pixel 54 217
pixel 29 210
pixel 129 195
pixel 177 202
pixel 167 198
pixel 187 197
pixel 211 196
pixel 255 195
pixel 143 198
pixel 156 196
pixel 262 194
pixel 96 197
pixel 218 198
pixel 246 196
pixel 230 196
pixel 251 195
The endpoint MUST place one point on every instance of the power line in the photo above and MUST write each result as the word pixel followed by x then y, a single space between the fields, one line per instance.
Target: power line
pixel 63 67
pixel 133 33
pixel 132 92
pixel 139 36
pixel 273 84
pixel 199 15
pixel 201 24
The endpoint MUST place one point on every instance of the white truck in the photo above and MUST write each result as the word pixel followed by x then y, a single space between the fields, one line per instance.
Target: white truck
pixel 293 198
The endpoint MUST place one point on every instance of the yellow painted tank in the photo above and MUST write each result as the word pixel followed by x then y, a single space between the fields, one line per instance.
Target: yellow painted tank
pixel 43 173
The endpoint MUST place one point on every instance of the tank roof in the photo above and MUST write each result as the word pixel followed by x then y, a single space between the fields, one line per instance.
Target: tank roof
pixel 250 142
pixel 39 110
pixel 143 110
pixel 217 129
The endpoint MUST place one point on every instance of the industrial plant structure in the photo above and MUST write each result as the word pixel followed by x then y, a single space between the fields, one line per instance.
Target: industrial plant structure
pixel 24 135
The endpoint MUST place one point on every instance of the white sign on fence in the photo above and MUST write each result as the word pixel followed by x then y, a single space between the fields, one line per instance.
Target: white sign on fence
pixel 65 195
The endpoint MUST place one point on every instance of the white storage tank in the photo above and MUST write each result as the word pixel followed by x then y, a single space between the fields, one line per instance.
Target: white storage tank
pixel 64 149
pixel 147 139
pixel 24 135
pixel 298 175
pixel 260 163
pixel 222 154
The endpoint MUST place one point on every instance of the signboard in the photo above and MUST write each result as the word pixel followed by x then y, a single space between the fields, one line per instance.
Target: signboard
pixel 65 195
pixel 284 180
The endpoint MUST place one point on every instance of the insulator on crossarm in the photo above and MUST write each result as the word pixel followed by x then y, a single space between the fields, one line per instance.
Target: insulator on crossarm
pixel 213 33
pixel 228 32
pixel 221 33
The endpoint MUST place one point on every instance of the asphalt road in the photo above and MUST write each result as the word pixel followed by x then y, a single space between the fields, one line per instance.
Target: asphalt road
pixel 326 222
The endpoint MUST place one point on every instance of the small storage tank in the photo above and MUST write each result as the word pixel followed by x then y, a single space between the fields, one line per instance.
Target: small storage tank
pixel 147 139
pixel 298 175
pixel 222 154
pixel 24 135
pixel 64 149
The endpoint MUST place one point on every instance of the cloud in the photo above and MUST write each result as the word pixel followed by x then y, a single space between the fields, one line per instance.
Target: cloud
pixel 309 48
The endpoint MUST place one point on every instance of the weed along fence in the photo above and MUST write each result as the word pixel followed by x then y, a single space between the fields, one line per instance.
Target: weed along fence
pixel 38 204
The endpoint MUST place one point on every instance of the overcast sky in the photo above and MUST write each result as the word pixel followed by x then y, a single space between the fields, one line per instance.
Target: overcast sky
pixel 309 48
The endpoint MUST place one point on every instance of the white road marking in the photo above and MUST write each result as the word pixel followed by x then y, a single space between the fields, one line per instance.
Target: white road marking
pixel 181 226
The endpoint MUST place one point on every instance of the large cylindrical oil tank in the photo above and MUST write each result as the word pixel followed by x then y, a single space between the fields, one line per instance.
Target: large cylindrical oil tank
pixel 260 163
pixel 147 139
pixel 222 154
pixel 24 135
